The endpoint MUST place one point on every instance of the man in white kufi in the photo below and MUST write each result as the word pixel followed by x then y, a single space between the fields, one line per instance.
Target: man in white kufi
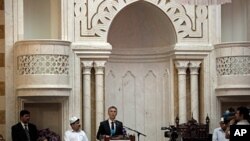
pixel 76 134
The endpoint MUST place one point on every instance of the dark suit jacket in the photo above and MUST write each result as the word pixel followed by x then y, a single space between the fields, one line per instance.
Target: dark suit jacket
pixel 18 133
pixel 104 129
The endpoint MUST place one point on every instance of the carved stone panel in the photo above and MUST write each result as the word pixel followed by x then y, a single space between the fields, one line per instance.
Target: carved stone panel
pixel 93 18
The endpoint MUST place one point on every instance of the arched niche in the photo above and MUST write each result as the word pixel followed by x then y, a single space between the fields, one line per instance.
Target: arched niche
pixel 137 79
pixel 141 25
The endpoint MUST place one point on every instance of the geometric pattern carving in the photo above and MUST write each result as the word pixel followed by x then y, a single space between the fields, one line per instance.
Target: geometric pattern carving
pixel 233 65
pixel 93 17
pixel 43 64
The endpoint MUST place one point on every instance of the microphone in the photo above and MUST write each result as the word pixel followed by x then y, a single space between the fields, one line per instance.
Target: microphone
pixel 124 132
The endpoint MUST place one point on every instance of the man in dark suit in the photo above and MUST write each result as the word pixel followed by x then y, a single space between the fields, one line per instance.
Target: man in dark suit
pixel 110 127
pixel 23 130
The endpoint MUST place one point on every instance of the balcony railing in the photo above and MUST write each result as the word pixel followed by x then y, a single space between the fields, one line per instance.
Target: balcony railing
pixel 41 64
pixel 233 68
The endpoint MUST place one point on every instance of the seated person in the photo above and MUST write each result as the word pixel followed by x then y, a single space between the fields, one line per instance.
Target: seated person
pixel 110 127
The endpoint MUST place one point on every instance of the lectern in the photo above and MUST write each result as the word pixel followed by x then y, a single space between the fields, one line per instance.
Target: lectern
pixel 119 138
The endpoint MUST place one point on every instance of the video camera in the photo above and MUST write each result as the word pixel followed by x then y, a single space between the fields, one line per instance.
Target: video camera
pixel 172 133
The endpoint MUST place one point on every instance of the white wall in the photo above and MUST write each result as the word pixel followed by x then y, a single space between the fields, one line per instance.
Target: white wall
pixel 235 21
pixel 42 19
pixel 141 92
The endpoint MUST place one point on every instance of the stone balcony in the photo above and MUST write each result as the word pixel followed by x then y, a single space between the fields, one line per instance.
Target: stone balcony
pixel 42 68
pixel 233 69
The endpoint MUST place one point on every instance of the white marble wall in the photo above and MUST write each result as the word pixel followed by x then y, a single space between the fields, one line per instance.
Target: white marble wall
pixel 42 77
pixel 235 21
pixel 233 72
pixel 141 92
pixel 140 80
pixel 42 64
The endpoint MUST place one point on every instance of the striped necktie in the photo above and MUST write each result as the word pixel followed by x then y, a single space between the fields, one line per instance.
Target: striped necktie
pixel 27 132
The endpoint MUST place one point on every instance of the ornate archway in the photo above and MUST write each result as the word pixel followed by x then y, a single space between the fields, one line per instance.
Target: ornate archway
pixel 93 18
pixel 137 74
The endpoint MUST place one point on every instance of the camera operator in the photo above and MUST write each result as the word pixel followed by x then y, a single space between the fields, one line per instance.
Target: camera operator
pixel 241 118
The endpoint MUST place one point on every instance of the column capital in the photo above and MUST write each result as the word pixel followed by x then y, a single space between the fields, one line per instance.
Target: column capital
pixel 99 67
pixel 194 64
pixel 181 66
pixel 99 63
pixel 87 65
pixel 194 67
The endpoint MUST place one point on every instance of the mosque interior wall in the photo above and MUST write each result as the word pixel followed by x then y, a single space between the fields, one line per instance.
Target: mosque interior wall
pixel 141 53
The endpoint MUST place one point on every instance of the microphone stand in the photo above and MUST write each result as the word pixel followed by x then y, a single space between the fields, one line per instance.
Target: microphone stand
pixel 138 133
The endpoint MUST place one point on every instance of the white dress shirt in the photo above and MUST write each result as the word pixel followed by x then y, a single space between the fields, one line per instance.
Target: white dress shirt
pixel 243 122
pixel 24 125
pixel 219 135
pixel 110 123
pixel 71 135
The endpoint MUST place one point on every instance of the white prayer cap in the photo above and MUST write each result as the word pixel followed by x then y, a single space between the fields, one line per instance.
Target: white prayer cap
pixel 73 119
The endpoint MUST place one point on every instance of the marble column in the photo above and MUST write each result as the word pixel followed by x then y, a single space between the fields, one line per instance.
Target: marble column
pixel 87 65
pixel 99 88
pixel 194 67
pixel 182 68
